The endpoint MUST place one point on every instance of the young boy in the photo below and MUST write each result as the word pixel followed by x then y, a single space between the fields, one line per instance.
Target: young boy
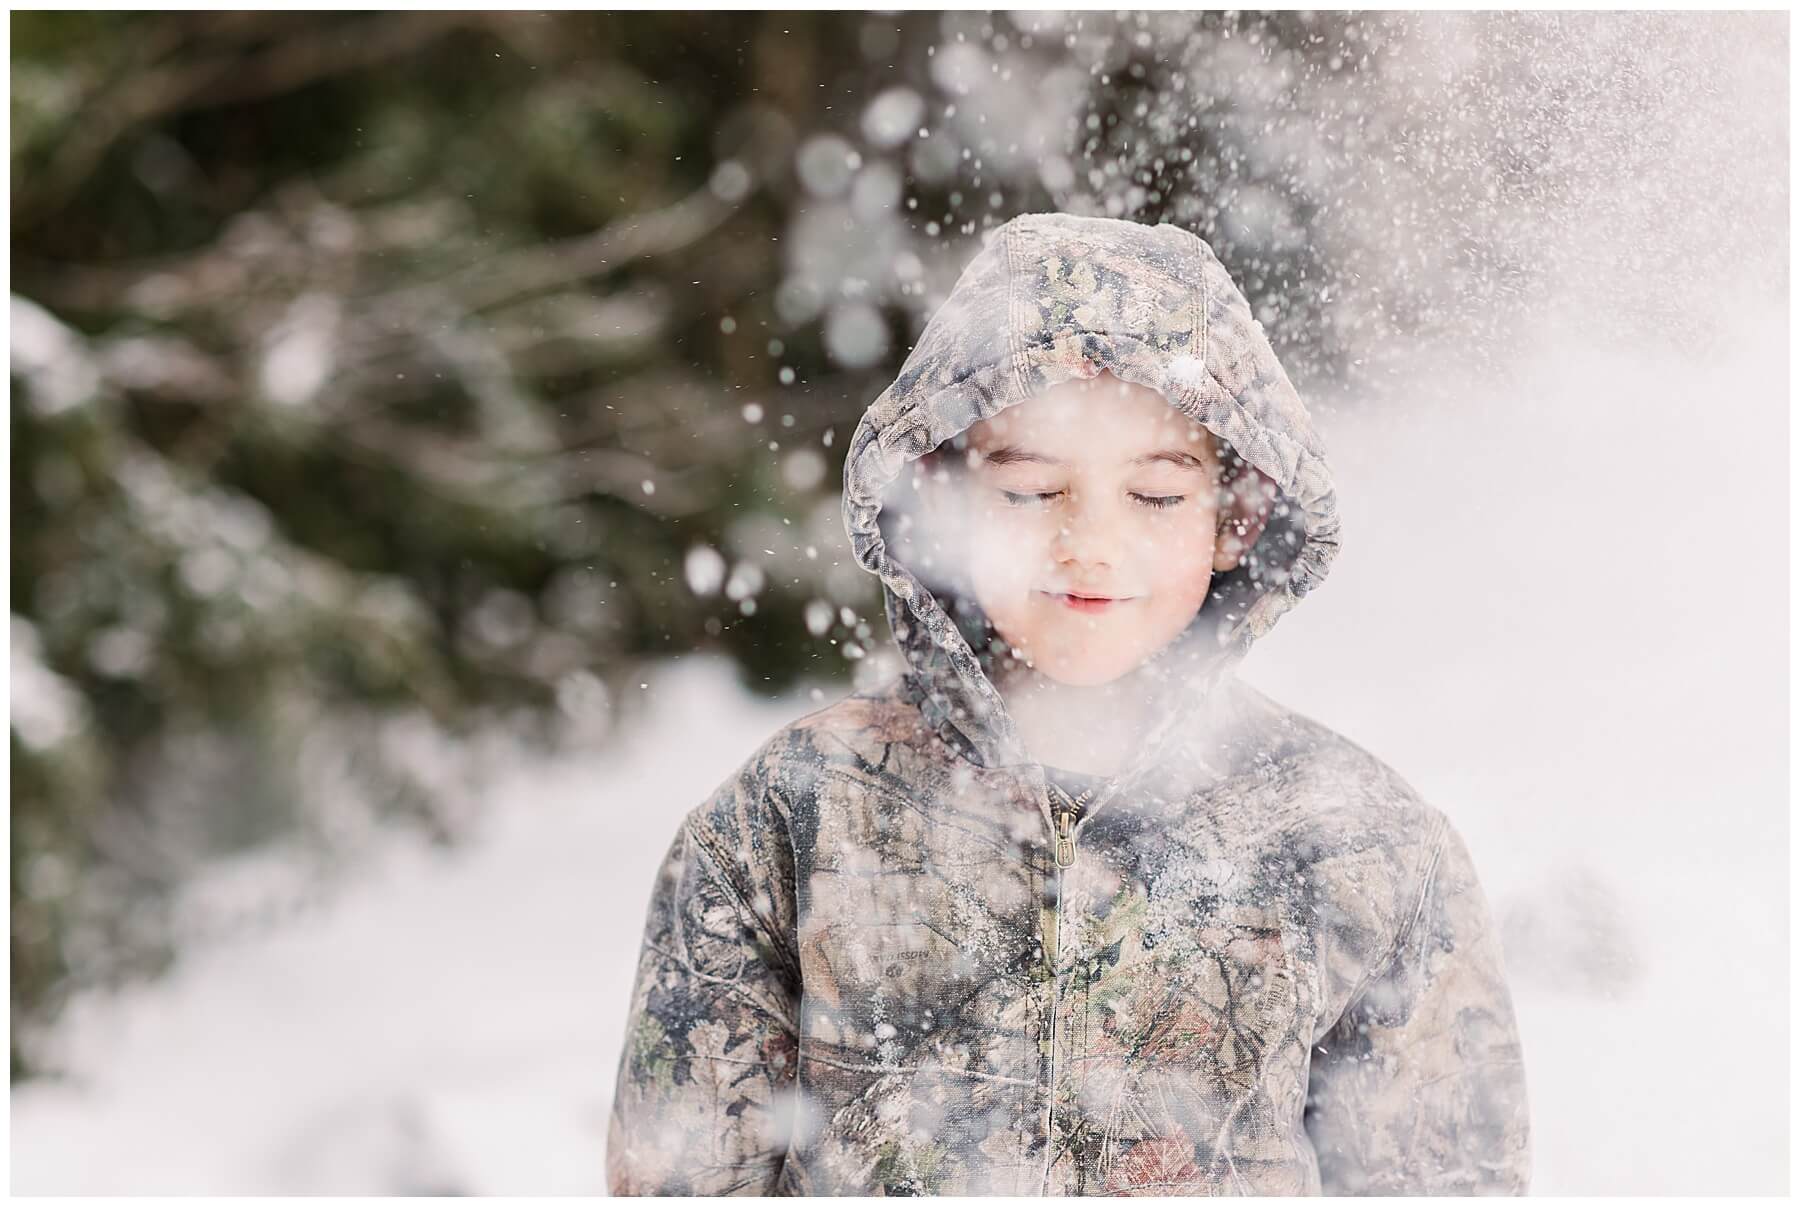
pixel 1066 908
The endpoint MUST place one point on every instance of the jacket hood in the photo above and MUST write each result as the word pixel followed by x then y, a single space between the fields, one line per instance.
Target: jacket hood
pixel 1050 298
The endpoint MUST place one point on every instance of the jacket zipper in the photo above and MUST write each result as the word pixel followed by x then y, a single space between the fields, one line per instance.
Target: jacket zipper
pixel 1064 851
pixel 1065 838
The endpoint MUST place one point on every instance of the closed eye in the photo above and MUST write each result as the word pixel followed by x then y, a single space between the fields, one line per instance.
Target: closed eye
pixel 1015 499
pixel 1034 499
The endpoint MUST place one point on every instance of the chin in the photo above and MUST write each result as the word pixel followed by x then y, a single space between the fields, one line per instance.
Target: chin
pixel 1083 673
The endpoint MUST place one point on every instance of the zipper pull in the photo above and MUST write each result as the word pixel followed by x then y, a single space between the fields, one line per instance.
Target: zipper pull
pixel 1065 838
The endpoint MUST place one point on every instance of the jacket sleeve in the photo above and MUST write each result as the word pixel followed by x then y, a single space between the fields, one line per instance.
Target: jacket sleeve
pixel 704 1102
pixel 1419 1088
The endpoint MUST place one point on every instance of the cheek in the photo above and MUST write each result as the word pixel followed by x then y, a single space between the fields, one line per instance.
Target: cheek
pixel 1181 564
pixel 1009 549
pixel 1192 534
pixel 1164 540
pixel 1189 586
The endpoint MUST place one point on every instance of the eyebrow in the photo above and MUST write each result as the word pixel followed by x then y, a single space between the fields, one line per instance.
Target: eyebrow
pixel 1008 454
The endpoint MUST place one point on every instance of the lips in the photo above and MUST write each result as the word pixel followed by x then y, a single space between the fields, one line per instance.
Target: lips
pixel 1087 603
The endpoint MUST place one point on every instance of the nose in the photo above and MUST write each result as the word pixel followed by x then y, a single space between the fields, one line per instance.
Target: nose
pixel 1086 536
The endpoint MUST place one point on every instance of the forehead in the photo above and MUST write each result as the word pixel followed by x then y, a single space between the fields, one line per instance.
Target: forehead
pixel 1095 420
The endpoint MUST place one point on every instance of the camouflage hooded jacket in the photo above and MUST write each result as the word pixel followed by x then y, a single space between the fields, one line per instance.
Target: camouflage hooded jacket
pixel 1263 965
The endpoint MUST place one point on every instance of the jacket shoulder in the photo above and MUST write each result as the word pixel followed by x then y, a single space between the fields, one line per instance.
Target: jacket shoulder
pixel 1337 780
pixel 848 728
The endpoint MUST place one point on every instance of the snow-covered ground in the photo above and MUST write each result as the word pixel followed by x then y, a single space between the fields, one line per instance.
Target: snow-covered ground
pixel 1560 612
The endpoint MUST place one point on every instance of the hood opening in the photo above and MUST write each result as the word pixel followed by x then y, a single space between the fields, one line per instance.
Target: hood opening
pixel 1230 595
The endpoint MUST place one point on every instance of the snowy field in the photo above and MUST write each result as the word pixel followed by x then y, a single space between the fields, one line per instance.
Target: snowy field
pixel 1560 612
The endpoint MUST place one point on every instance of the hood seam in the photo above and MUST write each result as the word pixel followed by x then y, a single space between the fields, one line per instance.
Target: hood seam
pixel 1203 304
pixel 1015 333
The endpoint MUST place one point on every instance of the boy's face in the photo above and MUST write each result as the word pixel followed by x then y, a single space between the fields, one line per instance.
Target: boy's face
pixel 1098 489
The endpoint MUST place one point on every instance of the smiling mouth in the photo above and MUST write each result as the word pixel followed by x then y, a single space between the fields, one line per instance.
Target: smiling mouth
pixel 1087 603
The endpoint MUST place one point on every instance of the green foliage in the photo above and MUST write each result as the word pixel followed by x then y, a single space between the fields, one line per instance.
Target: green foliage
pixel 653 1055
pixel 316 422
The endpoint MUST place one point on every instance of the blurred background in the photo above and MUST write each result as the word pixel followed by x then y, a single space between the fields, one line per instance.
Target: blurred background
pixel 426 442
